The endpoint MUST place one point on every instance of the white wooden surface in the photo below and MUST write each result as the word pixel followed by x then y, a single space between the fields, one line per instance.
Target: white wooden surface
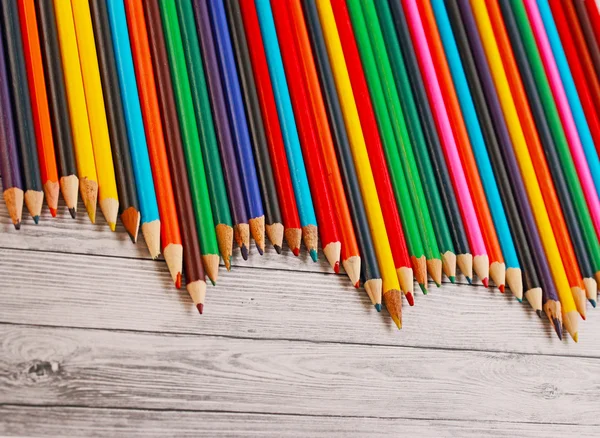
pixel 94 341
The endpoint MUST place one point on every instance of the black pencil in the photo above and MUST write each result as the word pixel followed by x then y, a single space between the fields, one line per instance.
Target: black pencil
pixel 464 258
pixel 369 265
pixel 119 141
pixel 273 221
pixel 550 152
pixel 23 117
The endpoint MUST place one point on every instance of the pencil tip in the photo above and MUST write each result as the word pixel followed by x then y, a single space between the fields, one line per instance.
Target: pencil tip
pixel 336 267
pixel 501 287
pixel 200 308
pixel 539 313
pixel 313 255
pixel 178 281
pixel 73 212
pixel 244 252
pixel 36 219
pixel 593 303
pixel 277 249
pixel 485 282
pixel 410 298
pixel 357 284
pixel 575 337
pixel 52 211
pixel 378 307
pixel 113 226
pixel 17 225
pixel 469 280
pixel 423 288
pixel 260 250
pixel 452 279
pixel 557 327
pixel 296 251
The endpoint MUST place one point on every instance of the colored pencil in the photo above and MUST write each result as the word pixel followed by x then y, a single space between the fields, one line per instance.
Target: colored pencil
pixel 88 59
pixel 480 153
pixel 383 181
pixel 273 222
pixel 514 277
pixel 578 57
pixel 390 284
pixel 80 128
pixel 573 119
pixel 583 36
pixel 417 140
pixel 329 228
pixel 189 134
pixel 349 252
pixel 593 16
pixel 459 181
pixel 448 69
pixel 12 184
pixel 333 110
pixel 560 140
pixel 58 105
pixel 567 304
pixel 536 275
pixel 553 166
pixel 237 121
pixel 588 29
pixel 126 188
pixel 287 122
pixel 536 152
pixel 39 103
pixel 274 136
pixel 464 258
pixel 208 142
pixel 22 114
pixel 401 160
pixel 138 147
pixel 170 234
pixel 192 256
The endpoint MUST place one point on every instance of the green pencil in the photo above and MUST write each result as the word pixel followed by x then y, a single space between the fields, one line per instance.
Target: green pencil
pixel 417 140
pixel 189 133
pixel 391 123
pixel 208 140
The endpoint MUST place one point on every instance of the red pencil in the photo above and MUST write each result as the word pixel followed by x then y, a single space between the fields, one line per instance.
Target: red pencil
pixel 307 128
pixel 377 159
pixel 268 108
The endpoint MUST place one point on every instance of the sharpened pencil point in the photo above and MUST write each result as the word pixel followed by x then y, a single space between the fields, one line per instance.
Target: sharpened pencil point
pixel 452 279
pixel 539 313
pixel 469 280
pixel 200 308
pixel 485 282
pixel 36 219
pixel 423 288
pixel 53 211
pixel 244 251
pixel 313 255
pixel 593 303
pixel 336 267
pixel 17 225
pixel 501 288
pixel 260 250
pixel 112 226
pixel 296 251
pixel 73 212
pixel 277 249
pixel 378 307
pixel 575 337
pixel 557 327
pixel 410 298
pixel 178 281
pixel 357 284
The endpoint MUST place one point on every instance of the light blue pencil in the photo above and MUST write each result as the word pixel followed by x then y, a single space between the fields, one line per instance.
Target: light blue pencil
pixel 135 127
pixel 478 143
pixel 572 96
pixel 288 127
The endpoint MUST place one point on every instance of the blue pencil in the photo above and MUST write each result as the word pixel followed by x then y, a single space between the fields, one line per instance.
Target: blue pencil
pixel 135 127
pixel 486 172
pixel 238 122
pixel 572 96
pixel 288 126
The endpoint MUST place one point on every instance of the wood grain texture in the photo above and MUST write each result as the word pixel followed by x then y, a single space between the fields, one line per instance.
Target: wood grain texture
pixel 108 369
pixel 75 422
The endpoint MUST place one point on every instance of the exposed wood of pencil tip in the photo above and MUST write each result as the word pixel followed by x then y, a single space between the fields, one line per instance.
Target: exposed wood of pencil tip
pixel 591 290
pixel 497 273
pixel 481 266
pixel 352 267
pixel 131 221
pixel 173 254
pixel 434 268
pixel 89 195
pixel 151 232
pixel 225 242
pixel 374 289
pixel 257 230
pixel 514 280
pixel 110 211
pixel 393 303
pixel 310 235
pixel 553 311
pixel 34 200
pixel 51 191
pixel 275 234
pixel 332 253
pixel 14 203
pixel 580 300
pixel 449 265
pixel 69 187
pixel 571 324
pixel 534 298
pixel 211 266
pixel 465 265
pixel 241 234
pixel 197 291
pixel 293 237
pixel 420 270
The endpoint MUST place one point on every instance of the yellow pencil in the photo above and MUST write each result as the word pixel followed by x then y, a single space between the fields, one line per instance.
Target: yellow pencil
pixel 569 311
pixel 391 287
pixel 82 140
pixel 107 184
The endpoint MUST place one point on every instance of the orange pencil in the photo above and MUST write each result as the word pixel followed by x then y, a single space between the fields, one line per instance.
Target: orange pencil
pixel 350 254
pixel 39 102
pixel 170 233
pixel 536 150
pixel 492 245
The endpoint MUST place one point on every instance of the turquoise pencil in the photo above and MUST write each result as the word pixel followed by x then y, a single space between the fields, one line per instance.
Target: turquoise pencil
pixel 507 245
pixel 572 96
pixel 288 127
pixel 135 127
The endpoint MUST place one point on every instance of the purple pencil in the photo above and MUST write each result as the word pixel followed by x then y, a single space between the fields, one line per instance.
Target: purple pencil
pixel 9 158
pixel 549 295
pixel 239 212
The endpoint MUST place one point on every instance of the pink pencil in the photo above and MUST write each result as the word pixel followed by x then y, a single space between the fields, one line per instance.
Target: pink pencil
pixel 480 258
pixel 564 109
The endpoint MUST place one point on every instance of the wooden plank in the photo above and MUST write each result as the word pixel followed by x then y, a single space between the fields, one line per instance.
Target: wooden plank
pixel 101 292
pixel 108 369
pixel 76 422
